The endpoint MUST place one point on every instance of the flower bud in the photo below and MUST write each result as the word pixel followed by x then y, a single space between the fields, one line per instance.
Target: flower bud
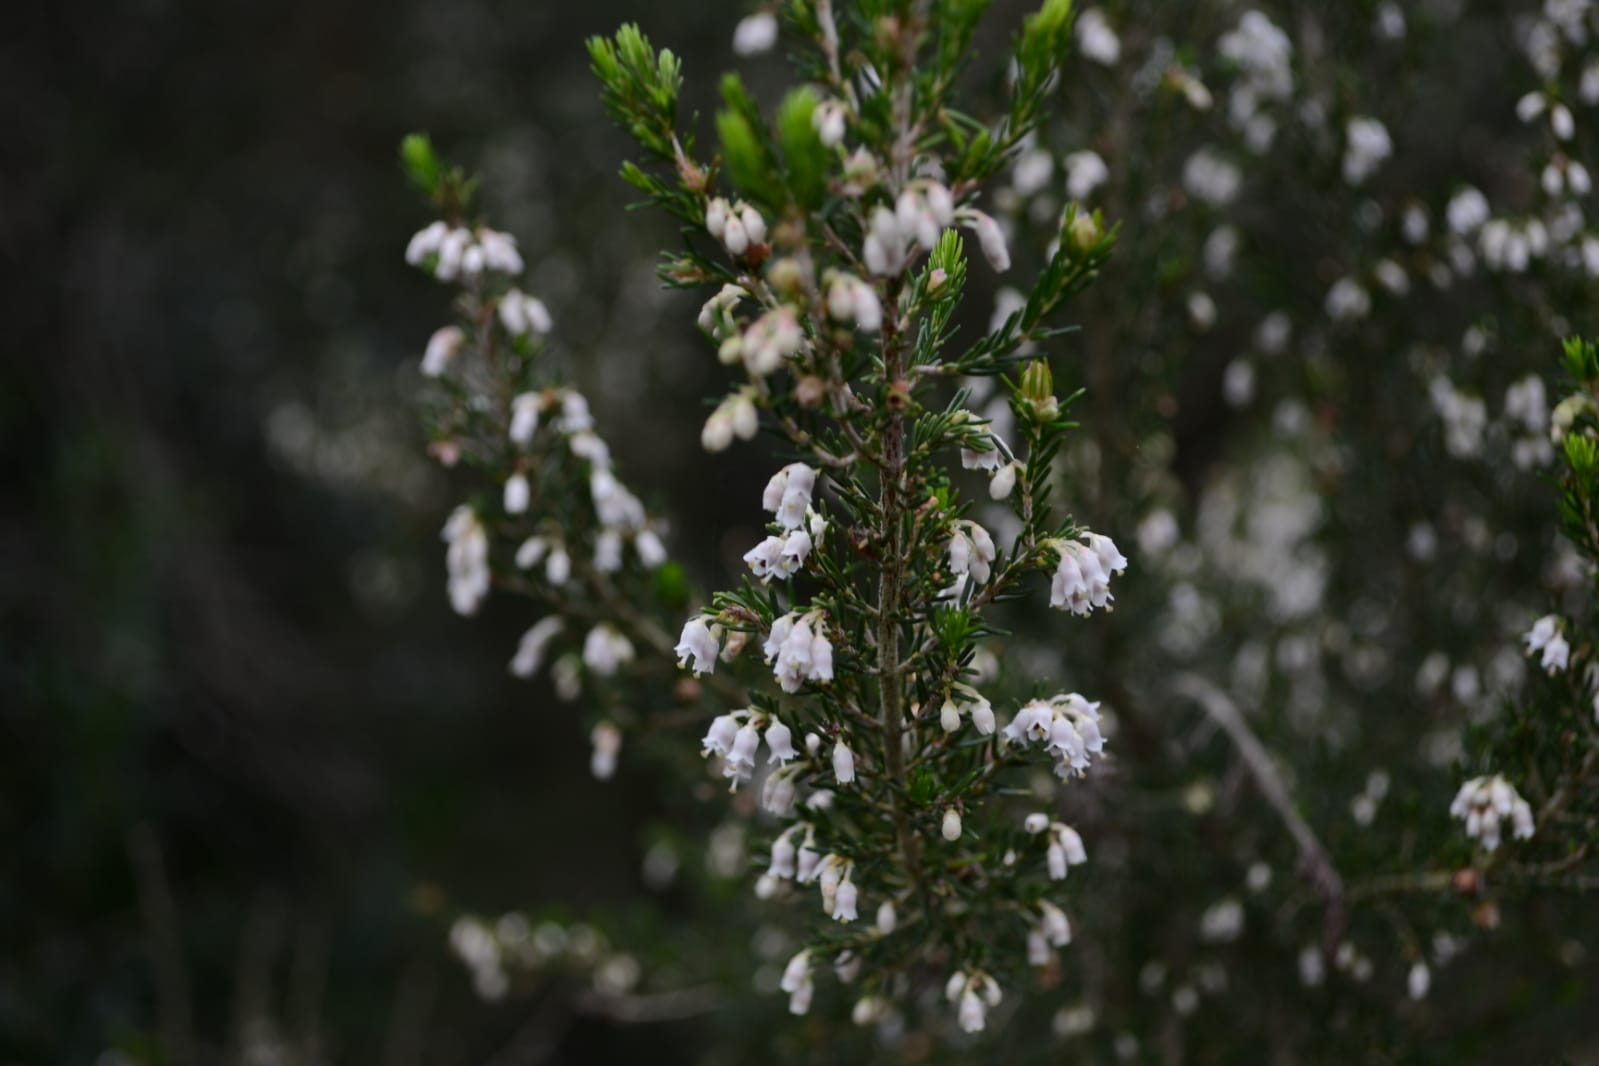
pixel 828 119
pixel 516 494
pixel 716 217
pixel 754 224
pixel 1004 480
pixel 949 716
pixel 735 238
pixel 441 348
pixel 607 741
pixel 952 824
pixel 787 278
pixel 718 432
pixel 1083 233
pixel 843 763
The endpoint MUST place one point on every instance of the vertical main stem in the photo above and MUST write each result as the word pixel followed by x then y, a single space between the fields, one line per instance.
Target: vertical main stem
pixel 890 588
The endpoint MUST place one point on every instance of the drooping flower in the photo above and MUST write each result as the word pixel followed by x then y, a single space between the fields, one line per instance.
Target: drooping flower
pixel 1367 144
pixel 1096 39
pixel 605 650
pixel 525 411
pixel 754 35
pixel 796 981
pixel 990 237
pixel 607 742
pixel 522 314
pixel 1064 851
pixel 849 299
pixel 843 763
pixel 1545 636
pixel 788 494
pixel 1081 582
pixel 1068 727
pixel 697 647
pixel 974 992
pixel 466 560
pixel 530 650
pixel 516 493
pixel 441 349
pixel 829 121
pixel 780 742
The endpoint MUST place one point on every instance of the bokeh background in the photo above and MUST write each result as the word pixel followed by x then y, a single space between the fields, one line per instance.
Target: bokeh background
pixel 249 762
pixel 240 728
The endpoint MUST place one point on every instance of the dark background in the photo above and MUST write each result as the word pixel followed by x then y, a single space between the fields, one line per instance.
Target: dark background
pixel 227 659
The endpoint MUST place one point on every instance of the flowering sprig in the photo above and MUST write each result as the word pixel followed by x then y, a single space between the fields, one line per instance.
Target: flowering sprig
pixel 550 519
pixel 838 267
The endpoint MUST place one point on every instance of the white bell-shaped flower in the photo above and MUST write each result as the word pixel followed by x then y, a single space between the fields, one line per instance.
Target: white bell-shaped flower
pixel 441 349
pixel 697 647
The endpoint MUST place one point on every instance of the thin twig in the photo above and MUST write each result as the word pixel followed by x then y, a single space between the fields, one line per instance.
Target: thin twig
pixel 1315 864
pixel 653 1007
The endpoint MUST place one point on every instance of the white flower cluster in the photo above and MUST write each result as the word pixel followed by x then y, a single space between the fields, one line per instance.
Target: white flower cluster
pixel 1483 802
pixel 1347 301
pixel 850 299
pixel 797 982
pixel 769 342
pixel 1082 574
pixel 1068 727
pixel 971 555
pixel 1527 412
pixel 1366 145
pixel 522 314
pixel 450 252
pixel 1096 38
pixel 1466 211
pixel 1465 418
pixel 1212 177
pixel 1065 848
pixel 965 701
pixel 788 494
pixel 736 737
pixel 799 651
pixel 832 874
pixel 620 514
pixel 1512 244
pixel 1049 929
pixel 1545 636
pixel 1264 56
pixel 994 457
pixel 738 226
pixel 923 211
pixel 735 416
pixel 974 992
pixel 606 650
pixel 475 944
pixel 1085 172
pixel 783 555
pixel 457 253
